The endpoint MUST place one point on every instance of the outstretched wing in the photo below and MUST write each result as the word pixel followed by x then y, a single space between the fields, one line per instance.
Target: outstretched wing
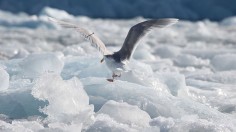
pixel 137 32
pixel 94 40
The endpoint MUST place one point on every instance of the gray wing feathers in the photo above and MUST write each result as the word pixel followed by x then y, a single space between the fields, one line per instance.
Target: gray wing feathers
pixel 138 31
pixel 90 36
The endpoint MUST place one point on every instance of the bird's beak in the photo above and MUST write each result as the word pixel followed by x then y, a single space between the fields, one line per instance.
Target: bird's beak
pixel 102 60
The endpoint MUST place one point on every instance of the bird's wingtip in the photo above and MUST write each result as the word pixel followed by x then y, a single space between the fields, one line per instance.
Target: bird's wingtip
pixel 170 21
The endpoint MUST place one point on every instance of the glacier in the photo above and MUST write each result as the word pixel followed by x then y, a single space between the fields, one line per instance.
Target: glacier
pixel 182 78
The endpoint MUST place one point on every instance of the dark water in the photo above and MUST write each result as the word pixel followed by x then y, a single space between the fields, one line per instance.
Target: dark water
pixel 184 9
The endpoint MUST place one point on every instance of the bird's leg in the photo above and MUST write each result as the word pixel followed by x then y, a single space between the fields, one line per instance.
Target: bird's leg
pixel 102 60
pixel 113 77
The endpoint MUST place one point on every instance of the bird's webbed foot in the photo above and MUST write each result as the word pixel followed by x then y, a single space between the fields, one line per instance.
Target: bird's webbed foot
pixel 110 80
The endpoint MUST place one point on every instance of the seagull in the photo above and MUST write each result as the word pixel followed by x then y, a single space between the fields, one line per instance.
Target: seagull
pixel 118 61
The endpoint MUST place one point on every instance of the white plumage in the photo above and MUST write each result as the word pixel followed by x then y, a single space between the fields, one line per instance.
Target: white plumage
pixel 88 35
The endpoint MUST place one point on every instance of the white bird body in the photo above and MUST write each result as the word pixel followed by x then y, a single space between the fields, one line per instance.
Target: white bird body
pixel 117 62
pixel 116 67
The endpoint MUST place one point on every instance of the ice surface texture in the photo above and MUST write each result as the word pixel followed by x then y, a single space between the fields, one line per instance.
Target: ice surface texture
pixel 4 77
pixel 182 78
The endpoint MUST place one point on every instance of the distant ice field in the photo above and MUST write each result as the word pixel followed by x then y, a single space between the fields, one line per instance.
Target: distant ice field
pixel 183 77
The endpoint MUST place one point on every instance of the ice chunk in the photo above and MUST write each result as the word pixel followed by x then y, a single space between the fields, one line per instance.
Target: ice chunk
pixel 74 50
pixel 206 53
pixel 224 62
pixel 20 126
pixel 175 83
pixel 4 79
pixel 36 64
pixel 143 54
pixel 141 73
pixel 67 99
pixel 203 29
pixel 22 20
pixel 28 125
pixel 62 127
pixel 104 123
pixel 231 21
pixel 187 123
pixel 125 113
pixel 52 12
pixel 36 125
pixel 153 100
pixel 190 60
pixel 167 51
pixel 164 123
pixel 20 53
pixel 19 103
pixel 225 77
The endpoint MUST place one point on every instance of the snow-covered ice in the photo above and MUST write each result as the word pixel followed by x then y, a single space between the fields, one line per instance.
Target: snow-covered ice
pixel 183 77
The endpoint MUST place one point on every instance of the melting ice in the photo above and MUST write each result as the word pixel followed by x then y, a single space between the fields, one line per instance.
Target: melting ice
pixel 182 78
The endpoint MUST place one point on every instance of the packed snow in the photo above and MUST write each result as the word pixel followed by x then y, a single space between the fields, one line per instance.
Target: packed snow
pixel 183 78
